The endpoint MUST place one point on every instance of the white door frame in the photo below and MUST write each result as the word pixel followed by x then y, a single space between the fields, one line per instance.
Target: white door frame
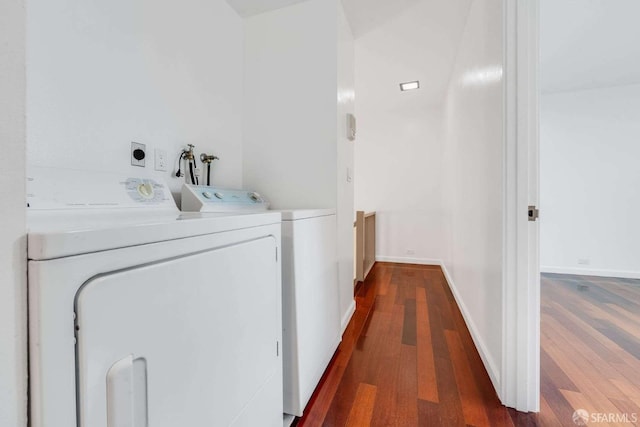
pixel 520 385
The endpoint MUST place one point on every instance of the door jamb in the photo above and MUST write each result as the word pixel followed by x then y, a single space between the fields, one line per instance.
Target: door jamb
pixel 520 385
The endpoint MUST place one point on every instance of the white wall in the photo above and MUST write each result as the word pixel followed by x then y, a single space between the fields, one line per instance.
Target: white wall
pixel 399 148
pixel 399 175
pixel 13 306
pixel 474 152
pixel 290 125
pixel 345 204
pixel 590 197
pixel 103 74
pixel 298 88
pixel 587 44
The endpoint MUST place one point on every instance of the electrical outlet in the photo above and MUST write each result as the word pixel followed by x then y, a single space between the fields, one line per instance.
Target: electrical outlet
pixel 584 261
pixel 161 160
pixel 138 154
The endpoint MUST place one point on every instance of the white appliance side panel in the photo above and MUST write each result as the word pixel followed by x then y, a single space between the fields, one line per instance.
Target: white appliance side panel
pixel 311 306
pixel 206 327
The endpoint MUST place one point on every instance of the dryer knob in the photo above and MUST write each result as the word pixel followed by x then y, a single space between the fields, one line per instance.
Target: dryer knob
pixel 207 195
pixel 145 190
pixel 255 197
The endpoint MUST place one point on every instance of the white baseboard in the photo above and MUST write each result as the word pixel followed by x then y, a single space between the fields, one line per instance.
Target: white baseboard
pixel 287 420
pixel 487 360
pixel 405 260
pixel 590 272
pixel 347 316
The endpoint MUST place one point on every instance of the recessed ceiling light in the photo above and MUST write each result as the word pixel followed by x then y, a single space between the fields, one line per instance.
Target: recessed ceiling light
pixel 409 86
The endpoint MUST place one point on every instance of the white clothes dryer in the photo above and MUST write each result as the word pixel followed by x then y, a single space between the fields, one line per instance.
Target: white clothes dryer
pixel 311 313
pixel 142 316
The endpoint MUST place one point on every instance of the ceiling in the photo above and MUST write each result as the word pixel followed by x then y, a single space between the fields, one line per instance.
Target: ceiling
pixel 417 43
pixel 253 7
pixel 586 44
pixel 365 15
pixel 397 40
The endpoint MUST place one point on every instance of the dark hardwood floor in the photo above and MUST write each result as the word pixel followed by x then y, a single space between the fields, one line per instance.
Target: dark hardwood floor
pixel 407 358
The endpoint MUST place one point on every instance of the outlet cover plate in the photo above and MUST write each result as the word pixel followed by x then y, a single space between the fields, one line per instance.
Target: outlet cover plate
pixel 160 160
pixel 138 162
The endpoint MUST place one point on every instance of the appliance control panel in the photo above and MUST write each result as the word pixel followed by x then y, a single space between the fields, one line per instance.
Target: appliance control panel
pixel 200 198
pixel 143 190
pixel 56 189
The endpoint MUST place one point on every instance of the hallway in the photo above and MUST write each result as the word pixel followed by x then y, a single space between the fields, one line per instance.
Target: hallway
pixel 407 359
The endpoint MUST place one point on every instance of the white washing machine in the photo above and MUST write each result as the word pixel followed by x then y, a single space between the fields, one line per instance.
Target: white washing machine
pixel 311 313
pixel 141 316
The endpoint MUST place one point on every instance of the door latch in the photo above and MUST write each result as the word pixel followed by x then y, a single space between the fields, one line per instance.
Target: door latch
pixel 534 213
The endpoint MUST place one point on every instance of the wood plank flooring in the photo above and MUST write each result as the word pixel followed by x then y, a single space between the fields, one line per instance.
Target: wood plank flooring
pixel 407 358
pixel 590 348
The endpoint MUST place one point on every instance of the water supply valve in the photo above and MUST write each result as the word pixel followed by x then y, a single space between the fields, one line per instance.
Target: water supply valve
pixel 207 159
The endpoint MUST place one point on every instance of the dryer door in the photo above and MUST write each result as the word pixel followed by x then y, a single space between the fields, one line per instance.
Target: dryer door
pixel 191 341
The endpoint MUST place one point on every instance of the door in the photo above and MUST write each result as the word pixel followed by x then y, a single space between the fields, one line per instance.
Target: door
pixel 520 386
pixel 191 341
